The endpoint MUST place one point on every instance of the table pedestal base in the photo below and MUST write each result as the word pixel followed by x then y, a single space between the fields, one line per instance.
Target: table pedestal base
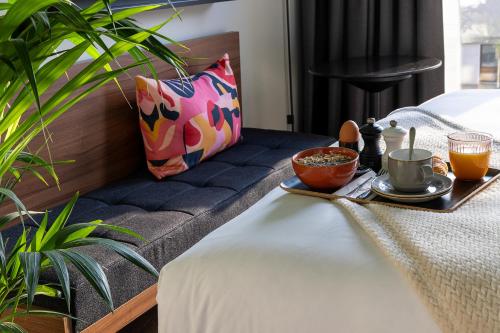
pixel 374 89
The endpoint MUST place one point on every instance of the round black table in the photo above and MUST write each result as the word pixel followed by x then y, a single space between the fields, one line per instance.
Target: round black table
pixel 375 74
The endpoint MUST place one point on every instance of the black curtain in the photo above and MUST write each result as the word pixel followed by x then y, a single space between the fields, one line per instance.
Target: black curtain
pixel 337 29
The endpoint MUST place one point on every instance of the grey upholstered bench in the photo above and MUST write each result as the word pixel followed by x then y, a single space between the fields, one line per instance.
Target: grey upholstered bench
pixel 175 213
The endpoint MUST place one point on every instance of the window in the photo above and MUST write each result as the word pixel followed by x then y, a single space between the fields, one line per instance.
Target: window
pixel 480 43
pixel 489 64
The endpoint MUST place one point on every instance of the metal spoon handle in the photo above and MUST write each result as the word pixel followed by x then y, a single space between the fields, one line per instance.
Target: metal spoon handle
pixel 412 141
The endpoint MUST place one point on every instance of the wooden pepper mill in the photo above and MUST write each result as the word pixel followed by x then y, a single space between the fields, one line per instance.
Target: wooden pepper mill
pixel 371 155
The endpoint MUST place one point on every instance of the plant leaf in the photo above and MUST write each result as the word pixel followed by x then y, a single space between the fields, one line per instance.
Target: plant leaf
pixel 120 248
pixel 13 262
pixel 12 196
pixel 69 233
pixel 19 12
pixel 6 219
pixel 29 135
pixel 34 161
pixel 10 327
pixel 40 232
pixel 59 222
pixel 110 12
pixel 31 267
pixel 3 257
pixel 46 76
pixel 44 313
pixel 122 230
pixel 74 18
pixel 38 175
pixel 45 290
pixel 117 49
pixel 81 230
pixel 24 57
pixel 9 63
pixel 92 271
pixel 123 14
pixel 59 265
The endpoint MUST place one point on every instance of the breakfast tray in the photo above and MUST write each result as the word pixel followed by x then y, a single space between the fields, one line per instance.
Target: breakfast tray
pixel 460 193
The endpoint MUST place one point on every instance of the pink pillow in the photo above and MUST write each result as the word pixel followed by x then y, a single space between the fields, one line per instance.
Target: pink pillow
pixel 186 121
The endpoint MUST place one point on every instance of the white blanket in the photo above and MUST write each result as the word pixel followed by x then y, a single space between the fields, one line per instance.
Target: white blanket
pixel 452 260
pixel 288 264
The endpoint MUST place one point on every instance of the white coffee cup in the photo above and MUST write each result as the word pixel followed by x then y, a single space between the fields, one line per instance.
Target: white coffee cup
pixel 413 175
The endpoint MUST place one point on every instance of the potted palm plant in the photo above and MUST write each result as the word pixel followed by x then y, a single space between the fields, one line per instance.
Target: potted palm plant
pixel 39 41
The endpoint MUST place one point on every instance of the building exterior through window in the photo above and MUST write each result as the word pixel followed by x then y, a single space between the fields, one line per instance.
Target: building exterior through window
pixel 480 38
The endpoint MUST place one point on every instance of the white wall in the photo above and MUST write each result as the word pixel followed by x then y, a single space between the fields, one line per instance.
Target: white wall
pixel 452 45
pixel 263 58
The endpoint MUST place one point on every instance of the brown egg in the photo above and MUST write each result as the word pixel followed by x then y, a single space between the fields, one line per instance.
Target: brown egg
pixel 349 132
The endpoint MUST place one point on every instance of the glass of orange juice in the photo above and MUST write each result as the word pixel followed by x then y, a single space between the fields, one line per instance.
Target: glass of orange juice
pixel 470 154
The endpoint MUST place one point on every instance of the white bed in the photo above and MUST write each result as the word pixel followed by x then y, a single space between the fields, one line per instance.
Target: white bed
pixel 298 264
pixel 477 109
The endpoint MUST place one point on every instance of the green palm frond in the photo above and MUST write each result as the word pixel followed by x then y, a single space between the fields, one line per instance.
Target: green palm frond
pixel 9 327
pixel 34 56
pixel 54 247
pixel 32 61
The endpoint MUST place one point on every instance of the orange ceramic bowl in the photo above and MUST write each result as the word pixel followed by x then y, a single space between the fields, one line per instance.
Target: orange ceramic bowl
pixel 326 177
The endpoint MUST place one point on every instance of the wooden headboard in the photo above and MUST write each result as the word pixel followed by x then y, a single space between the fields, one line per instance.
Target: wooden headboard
pixel 102 132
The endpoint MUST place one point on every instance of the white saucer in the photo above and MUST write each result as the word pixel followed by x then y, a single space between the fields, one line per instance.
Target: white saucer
pixel 440 185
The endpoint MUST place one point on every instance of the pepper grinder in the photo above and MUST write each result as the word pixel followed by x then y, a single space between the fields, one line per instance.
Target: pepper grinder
pixel 393 137
pixel 371 155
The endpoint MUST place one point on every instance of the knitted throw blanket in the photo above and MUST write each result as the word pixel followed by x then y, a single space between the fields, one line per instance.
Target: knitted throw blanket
pixel 451 259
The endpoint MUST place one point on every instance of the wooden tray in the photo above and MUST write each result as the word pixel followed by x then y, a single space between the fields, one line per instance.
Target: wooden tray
pixel 460 193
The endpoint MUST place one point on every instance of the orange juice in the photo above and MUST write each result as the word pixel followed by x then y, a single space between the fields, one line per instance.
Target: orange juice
pixel 470 166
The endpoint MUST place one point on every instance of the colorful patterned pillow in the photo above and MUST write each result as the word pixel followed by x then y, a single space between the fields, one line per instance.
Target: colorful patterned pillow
pixel 186 121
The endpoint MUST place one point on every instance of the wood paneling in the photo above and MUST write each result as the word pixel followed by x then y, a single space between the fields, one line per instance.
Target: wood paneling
pixel 102 132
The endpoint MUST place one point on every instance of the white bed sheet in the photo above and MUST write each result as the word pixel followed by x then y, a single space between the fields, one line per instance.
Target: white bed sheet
pixel 477 109
pixel 297 264
pixel 288 264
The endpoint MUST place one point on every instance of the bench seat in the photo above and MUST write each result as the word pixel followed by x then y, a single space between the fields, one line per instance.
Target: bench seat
pixel 173 214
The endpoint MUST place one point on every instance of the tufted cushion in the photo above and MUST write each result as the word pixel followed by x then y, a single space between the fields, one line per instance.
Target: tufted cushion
pixel 184 122
pixel 175 213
